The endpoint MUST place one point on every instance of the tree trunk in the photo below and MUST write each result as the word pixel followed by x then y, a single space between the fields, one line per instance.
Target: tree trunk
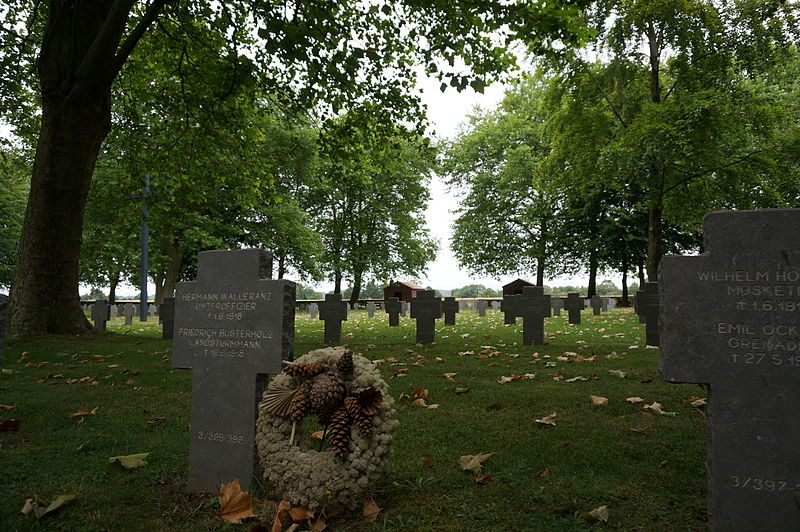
pixel 281 267
pixel 641 276
pixel 337 282
pixel 541 253
pixel 655 218
pixel 158 280
pixel 354 296
pixel 113 281
pixel 79 59
pixel 624 302
pixel 593 267
pixel 175 254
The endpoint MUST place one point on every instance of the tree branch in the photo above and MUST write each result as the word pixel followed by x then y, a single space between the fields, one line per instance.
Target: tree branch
pixel 689 177
pixel 150 15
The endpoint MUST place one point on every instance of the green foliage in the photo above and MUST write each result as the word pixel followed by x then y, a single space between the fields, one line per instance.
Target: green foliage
pixel 475 290
pixel 306 292
pixel 15 172
pixel 93 295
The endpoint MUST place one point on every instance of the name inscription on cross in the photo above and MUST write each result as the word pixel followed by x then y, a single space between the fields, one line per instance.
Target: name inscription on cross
pixel 233 327
pixel 533 306
pixel 730 318
pixel 649 309
pixel 426 308
pixel 450 309
pixel 393 308
pixel 574 305
pixel 333 311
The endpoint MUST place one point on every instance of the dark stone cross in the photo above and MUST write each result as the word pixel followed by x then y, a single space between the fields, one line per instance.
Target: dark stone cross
pixel 635 301
pixel 604 303
pixel 313 310
pixel 481 305
pixel 393 308
pixel 509 309
pixel 533 306
pixel 333 311
pixel 403 308
pixel 649 309
pixel 128 310
pixel 426 308
pixel 450 309
pixel 556 303
pixel 101 313
pixel 574 305
pixel 233 327
pixel 730 318
pixel 167 318
pixel 597 305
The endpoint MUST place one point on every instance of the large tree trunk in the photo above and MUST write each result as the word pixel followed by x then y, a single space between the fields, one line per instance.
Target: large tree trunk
pixel 655 218
pixel 357 277
pixel 625 266
pixel 113 281
pixel 175 255
pixel 78 61
pixel 541 253
pixel 593 267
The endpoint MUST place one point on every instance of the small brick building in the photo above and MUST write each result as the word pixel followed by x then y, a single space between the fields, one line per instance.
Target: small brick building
pixel 515 287
pixel 402 291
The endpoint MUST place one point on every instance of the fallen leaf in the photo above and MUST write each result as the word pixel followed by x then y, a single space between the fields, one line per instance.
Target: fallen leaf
pixel 648 380
pixel 696 401
pixel 494 406
pixel 543 473
pixel 472 462
pixel 317 435
pixel 598 401
pixel 656 407
pixel 577 378
pixel 483 479
pixel 298 513
pixel 40 509
pixel 284 505
pixel 514 377
pixel 153 421
pixel 530 375
pixel 459 391
pixel 420 393
pixel 618 372
pixel 234 504
pixel 131 461
pixel 600 513
pixel 370 511
pixel 635 400
pixel 420 403
pixel 83 412
pixel 9 425
pixel 547 420
pixel 640 430
pixel 6 408
pixel 448 376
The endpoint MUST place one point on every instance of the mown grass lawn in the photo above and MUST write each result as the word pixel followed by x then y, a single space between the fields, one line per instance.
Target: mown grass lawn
pixel 542 478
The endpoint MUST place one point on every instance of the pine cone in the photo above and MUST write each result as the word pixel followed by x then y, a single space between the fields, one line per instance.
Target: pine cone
pixel 305 370
pixel 327 391
pixel 370 400
pixel 301 405
pixel 345 363
pixel 358 416
pixel 339 431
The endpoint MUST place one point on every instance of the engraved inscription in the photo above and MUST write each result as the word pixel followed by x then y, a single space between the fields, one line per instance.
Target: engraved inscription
pixel 208 435
pixel 762 484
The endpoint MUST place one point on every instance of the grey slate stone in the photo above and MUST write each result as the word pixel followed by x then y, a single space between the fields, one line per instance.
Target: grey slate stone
pixel 649 309
pixel 101 313
pixel 393 308
pixel 556 303
pixel 450 309
pixel 574 305
pixel 730 318
pixel 596 303
pixel 426 308
pixel 481 305
pixel 371 309
pixel 533 306
pixel 167 318
pixel 313 309
pixel 129 311
pixel 333 311
pixel 233 327
pixel 509 309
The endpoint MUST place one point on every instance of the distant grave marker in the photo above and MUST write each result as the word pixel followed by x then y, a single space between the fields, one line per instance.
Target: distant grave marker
pixel 333 311
pixel 393 308
pixel 313 309
pixel 556 303
pixel 533 306
pixel 450 309
pixel 649 309
pixel 152 310
pixel 426 308
pixel 597 305
pixel 574 305
pixel 129 311
pixel 101 313
pixel 167 318
pixel 730 317
pixel 403 308
pixel 371 309
pixel 509 309
pixel 481 305
pixel 495 305
pixel 233 326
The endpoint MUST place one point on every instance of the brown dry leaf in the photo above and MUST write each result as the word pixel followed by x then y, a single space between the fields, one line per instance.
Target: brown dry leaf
pixel 656 408
pixel 420 393
pixel 640 430
pixel 600 513
pixel 317 435
pixel 370 511
pixel 459 391
pixel 157 419
pixel 40 509
pixel 577 378
pixel 483 479
pixel 298 513
pixel 83 412
pixel 284 505
pixel 9 425
pixel 448 376
pixel 547 420
pixel 544 472
pixel 494 406
pixel 234 504
pixel 472 462
pixel 696 402
pixel 618 372
pixel 514 377
pixel 635 400
pixel 420 403
pixel 6 408
pixel 598 401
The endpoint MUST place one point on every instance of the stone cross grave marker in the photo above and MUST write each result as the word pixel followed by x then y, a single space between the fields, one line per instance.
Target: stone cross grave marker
pixel 495 305
pixel 587 303
pixel 730 318
pixel 481 305
pixel 533 306
pixel 313 309
pixel 233 327
pixel 597 304
pixel 450 309
pixel 101 313
pixel 356 306
pixel 556 303
pixel 635 303
pixel 152 310
pixel 129 311
pixel 3 311
pixel 167 318
pixel 611 303
pixel 112 312
pixel 574 305
pixel 426 308
pixel 371 309
pixel 393 308
pixel 333 311
pixel 509 309
pixel 649 308
pixel 604 304
pixel 403 308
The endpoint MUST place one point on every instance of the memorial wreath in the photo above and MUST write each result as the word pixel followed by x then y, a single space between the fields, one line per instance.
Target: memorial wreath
pixel 347 395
